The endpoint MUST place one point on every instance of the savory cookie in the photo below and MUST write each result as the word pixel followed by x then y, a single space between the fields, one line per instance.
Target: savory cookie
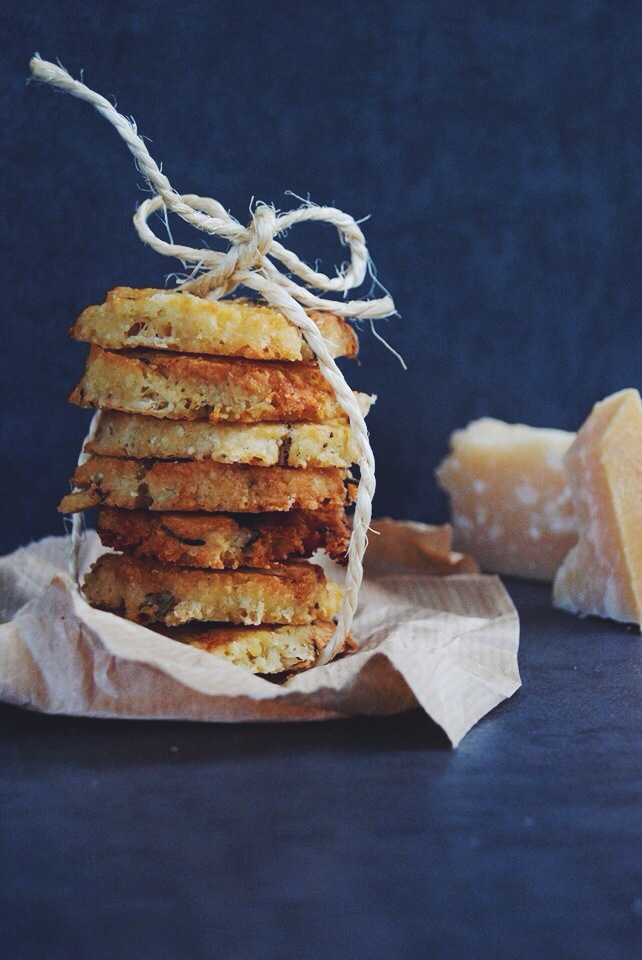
pixel 264 649
pixel 263 444
pixel 180 386
pixel 170 320
pixel 150 592
pixel 218 540
pixel 203 485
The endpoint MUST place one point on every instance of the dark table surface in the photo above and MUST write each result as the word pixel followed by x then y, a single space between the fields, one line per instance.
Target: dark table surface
pixel 360 838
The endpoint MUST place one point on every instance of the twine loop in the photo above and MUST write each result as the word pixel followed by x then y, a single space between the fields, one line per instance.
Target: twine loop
pixel 249 261
pixel 254 247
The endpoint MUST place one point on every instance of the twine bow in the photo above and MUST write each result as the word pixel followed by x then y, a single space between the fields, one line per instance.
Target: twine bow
pixel 249 262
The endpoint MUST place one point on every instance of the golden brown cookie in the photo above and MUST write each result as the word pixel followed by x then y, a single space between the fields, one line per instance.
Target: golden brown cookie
pixel 191 485
pixel 170 320
pixel 180 386
pixel 150 592
pixel 263 444
pixel 266 649
pixel 218 540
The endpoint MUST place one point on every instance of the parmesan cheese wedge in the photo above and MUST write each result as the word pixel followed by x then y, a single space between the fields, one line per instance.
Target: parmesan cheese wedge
pixel 602 574
pixel 511 507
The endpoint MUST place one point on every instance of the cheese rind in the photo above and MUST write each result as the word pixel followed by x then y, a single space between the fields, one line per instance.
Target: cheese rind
pixel 511 507
pixel 602 574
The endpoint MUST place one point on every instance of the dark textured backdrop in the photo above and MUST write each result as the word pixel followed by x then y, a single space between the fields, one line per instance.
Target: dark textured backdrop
pixel 496 146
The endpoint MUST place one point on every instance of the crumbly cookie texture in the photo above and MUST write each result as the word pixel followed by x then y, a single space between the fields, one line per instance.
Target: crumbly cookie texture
pixel 170 320
pixel 182 387
pixel 266 649
pixel 149 592
pixel 191 485
pixel 217 541
pixel 264 444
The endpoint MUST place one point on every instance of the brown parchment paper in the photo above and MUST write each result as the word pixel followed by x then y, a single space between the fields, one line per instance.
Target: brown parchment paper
pixel 446 643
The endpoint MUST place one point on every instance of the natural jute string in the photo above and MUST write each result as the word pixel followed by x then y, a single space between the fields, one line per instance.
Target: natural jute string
pixel 247 262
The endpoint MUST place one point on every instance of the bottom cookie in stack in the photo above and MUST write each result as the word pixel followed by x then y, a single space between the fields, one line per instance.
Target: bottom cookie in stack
pixel 267 650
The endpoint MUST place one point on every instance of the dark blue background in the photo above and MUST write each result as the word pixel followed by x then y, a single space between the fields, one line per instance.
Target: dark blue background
pixel 496 146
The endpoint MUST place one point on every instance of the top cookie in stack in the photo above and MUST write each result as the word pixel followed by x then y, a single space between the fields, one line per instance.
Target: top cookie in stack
pixel 220 463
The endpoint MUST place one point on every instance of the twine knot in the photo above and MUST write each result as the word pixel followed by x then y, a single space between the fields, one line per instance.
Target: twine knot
pixel 261 231
pixel 248 248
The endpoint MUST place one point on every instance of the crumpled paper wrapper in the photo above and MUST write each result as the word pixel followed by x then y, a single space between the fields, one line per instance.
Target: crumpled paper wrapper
pixel 445 643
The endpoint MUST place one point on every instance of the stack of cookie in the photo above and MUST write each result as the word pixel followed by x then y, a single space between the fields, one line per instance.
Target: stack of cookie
pixel 220 462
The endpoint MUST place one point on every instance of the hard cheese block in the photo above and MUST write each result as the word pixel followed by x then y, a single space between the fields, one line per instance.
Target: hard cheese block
pixel 511 507
pixel 602 574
